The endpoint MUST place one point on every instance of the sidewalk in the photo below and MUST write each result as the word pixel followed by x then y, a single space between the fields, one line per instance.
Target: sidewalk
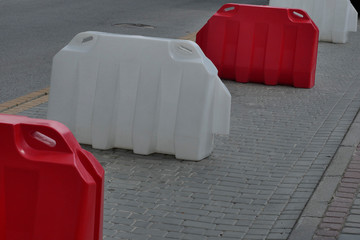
pixel 273 177
pixel 333 211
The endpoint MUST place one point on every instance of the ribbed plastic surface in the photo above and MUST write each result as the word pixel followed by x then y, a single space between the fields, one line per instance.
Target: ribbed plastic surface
pixel 50 188
pixel 334 18
pixel 261 44
pixel 140 93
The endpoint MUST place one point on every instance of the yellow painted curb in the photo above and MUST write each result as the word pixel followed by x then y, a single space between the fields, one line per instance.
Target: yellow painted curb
pixel 27 105
pixel 25 102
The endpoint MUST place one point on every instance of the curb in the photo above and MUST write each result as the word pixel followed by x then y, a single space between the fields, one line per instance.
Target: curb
pixel 25 102
pixel 316 207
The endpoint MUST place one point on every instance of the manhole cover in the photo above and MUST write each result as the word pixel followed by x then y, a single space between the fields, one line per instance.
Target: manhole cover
pixel 134 25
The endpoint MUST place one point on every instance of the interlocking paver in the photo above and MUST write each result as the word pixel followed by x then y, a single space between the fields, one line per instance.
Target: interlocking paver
pixel 354 218
pixel 351 230
pixel 348 237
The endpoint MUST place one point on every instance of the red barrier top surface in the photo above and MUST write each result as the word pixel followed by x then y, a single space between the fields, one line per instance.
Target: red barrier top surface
pixel 263 44
pixel 50 188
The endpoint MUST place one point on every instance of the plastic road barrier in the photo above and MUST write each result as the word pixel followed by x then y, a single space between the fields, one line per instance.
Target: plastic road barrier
pixel 334 18
pixel 140 93
pixel 261 44
pixel 356 5
pixel 50 188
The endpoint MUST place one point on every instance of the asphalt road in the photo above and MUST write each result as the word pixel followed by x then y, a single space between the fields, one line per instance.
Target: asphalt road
pixel 33 31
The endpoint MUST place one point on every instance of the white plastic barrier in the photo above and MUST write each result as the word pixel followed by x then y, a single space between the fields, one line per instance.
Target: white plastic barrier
pixel 334 18
pixel 140 93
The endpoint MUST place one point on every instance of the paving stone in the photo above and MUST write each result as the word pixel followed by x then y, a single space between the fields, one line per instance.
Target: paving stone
pixel 216 214
pixel 206 219
pixel 355 211
pixel 225 221
pixel 345 195
pixel 215 233
pixel 356 202
pixel 197 212
pixel 340 204
pixel 141 224
pixel 168 227
pixel 174 235
pixel 277 236
pixel 323 238
pixel 136 216
pixel 353 218
pixel 355 175
pixel 346 200
pixel 295 206
pixel 351 180
pixel 349 185
pixel 124 221
pixel 193 236
pixel 335 214
pixel 193 230
pixel 348 237
pixel 331 226
pixel 202 225
pixel 109 232
pixel 288 217
pixel 351 230
pixel 226 238
pixel 254 237
pixel 350 224
pixel 284 224
pixel 150 232
pixel 244 223
pixel 333 220
pixel 258 231
pixel 231 228
pixel 182 216
pixel 327 233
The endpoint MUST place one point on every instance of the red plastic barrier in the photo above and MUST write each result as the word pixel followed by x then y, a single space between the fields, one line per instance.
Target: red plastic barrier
pixel 262 44
pixel 50 188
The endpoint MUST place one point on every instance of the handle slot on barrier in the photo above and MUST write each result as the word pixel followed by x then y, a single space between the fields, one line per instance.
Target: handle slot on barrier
pixel 298 14
pixel 44 139
pixel 87 39
pixel 185 49
pixel 228 9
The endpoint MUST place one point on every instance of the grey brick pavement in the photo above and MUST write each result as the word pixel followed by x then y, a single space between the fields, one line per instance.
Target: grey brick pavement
pixel 257 180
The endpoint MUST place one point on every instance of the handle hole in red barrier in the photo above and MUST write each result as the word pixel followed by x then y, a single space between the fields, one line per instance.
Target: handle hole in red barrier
pixel 44 139
pixel 87 39
pixel 298 14
pixel 229 9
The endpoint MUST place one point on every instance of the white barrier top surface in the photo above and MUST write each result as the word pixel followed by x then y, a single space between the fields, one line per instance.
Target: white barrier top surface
pixel 334 18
